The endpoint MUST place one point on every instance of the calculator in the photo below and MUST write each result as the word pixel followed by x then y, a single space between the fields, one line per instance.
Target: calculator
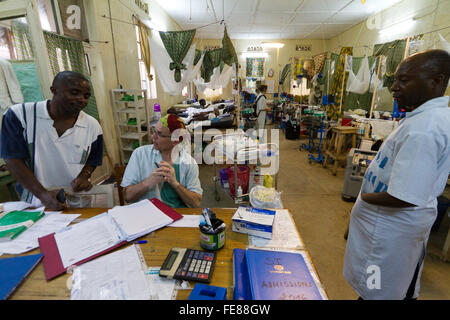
pixel 188 264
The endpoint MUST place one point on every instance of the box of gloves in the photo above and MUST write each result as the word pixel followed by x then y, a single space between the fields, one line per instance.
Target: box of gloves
pixel 256 222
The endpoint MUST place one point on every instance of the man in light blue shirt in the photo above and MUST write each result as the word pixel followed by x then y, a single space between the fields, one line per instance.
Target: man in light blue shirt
pixel 163 170
pixel 396 208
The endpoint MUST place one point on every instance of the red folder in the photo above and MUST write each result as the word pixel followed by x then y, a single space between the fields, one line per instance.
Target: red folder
pixel 52 262
pixel 166 209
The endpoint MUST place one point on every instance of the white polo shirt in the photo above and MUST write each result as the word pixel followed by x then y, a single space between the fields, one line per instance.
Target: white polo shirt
pixel 57 160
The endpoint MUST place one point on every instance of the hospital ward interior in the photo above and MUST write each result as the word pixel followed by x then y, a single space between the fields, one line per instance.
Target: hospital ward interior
pixel 215 135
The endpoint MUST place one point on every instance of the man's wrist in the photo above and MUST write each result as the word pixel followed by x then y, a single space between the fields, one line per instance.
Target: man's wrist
pixel 85 173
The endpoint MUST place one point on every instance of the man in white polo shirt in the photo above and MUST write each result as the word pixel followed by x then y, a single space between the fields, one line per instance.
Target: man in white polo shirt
pixel 52 143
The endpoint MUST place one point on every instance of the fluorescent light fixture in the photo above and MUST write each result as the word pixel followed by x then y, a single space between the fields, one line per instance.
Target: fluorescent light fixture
pixel 255 54
pixel 397 28
pixel 272 45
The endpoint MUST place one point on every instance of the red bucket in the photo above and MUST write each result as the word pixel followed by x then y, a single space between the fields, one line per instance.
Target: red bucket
pixel 243 174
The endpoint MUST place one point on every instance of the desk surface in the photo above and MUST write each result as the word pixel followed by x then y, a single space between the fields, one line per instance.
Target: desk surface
pixel 155 251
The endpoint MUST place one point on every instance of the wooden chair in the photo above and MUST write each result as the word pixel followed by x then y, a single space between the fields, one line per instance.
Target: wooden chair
pixel 337 148
pixel 118 172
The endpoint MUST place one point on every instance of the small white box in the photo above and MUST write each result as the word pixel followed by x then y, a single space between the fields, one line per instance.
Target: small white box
pixel 256 222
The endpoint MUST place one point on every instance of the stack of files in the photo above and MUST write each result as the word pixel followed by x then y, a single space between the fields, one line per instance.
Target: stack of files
pixel 275 275
pixel 14 223
pixel 13 272
pixel 136 221
pixel 120 275
pixel 93 237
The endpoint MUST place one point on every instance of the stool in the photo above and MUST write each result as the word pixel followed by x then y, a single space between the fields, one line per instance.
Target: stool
pixel 336 149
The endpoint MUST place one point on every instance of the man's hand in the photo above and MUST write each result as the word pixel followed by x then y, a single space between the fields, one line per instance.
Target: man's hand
pixel 48 199
pixel 81 183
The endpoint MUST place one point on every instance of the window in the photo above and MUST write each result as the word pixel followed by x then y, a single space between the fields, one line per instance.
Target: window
pixel 46 15
pixel 146 84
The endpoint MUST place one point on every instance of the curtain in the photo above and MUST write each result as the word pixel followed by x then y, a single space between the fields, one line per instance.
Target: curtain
pixel 319 61
pixel 177 44
pixel 161 61
pixel 360 101
pixel 394 51
pixel 68 54
pixel 255 67
pixel 229 55
pixel 22 44
pixel 145 48
pixel 339 80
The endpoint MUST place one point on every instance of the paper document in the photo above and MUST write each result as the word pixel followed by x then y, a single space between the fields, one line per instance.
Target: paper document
pixel 15 206
pixel 188 221
pixel 139 219
pixel 284 234
pixel 161 288
pixel 28 240
pixel 116 276
pixel 87 238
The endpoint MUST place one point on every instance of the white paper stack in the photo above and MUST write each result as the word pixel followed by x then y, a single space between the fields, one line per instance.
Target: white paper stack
pixel 117 276
pixel 139 219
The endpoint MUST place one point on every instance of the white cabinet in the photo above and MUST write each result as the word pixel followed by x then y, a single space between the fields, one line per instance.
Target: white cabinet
pixel 132 120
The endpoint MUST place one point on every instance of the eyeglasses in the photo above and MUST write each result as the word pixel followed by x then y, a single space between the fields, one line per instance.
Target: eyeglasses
pixel 159 134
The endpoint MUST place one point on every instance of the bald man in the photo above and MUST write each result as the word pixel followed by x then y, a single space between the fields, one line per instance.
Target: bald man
pixel 52 143
pixel 396 208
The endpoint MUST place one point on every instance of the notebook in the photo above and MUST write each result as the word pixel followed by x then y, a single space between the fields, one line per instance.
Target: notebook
pixel 282 275
pixel 13 272
pixel 240 276
pixel 15 222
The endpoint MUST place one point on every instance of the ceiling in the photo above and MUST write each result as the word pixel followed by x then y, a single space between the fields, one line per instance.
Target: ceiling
pixel 272 19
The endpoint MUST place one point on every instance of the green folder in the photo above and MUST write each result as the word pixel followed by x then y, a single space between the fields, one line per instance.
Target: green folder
pixel 15 222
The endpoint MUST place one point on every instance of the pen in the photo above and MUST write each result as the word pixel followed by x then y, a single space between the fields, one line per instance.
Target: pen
pixel 141 241
pixel 156 164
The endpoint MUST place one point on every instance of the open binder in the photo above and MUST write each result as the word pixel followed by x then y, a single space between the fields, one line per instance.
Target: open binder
pixel 79 243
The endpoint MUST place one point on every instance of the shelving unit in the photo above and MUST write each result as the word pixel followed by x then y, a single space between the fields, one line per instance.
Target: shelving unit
pixel 132 120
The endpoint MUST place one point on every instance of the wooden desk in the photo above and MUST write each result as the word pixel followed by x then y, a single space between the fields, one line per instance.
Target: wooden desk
pixel 155 251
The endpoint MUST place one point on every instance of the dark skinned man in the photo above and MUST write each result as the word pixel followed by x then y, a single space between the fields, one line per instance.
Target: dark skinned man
pixel 52 143
pixel 396 208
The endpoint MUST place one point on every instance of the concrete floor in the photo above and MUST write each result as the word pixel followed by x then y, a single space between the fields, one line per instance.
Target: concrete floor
pixel 313 196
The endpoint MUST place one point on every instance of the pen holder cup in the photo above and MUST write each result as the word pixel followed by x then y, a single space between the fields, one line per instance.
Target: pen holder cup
pixel 212 239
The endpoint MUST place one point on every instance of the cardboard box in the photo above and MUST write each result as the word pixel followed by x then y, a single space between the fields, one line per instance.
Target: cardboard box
pixel 256 222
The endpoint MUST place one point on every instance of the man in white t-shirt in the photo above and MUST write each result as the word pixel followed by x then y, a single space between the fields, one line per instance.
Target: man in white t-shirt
pixel 396 208
pixel 52 143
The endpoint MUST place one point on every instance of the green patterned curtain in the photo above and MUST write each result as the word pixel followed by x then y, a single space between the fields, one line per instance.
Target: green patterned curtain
pixel 21 36
pixel 68 54
pixel 339 80
pixel 358 101
pixel 198 55
pixel 394 52
pixel 206 70
pixel 177 44
pixel 228 53
pixel 285 73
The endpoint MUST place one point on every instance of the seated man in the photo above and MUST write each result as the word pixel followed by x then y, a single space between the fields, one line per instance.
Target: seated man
pixel 163 170
pixel 52 143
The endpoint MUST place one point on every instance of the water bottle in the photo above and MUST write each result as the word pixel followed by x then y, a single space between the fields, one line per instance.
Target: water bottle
pixel 239 192
pixel 157 110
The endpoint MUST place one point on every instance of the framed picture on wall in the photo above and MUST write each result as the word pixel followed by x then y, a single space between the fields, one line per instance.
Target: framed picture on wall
pixel 270 73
